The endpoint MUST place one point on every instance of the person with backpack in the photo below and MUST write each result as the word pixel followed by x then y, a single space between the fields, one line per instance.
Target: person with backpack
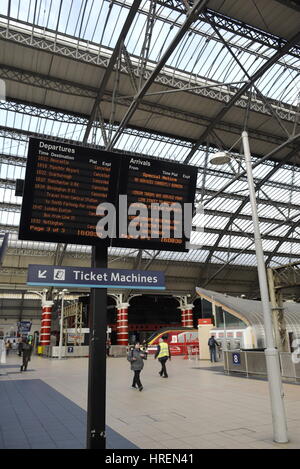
pixel 26 354
pixel 136 357
pixel 213 344
pixel 163 354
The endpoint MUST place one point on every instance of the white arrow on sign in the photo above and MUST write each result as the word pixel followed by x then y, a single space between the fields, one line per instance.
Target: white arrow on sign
pixel 42 274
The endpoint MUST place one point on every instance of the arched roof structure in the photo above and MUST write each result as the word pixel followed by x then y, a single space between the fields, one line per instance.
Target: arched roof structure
pixel 250 311
pixel 171 79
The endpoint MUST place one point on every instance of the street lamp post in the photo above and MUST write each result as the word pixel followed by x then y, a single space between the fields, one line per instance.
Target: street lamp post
pixel 272 356
pixel 225 331
pixel 271 353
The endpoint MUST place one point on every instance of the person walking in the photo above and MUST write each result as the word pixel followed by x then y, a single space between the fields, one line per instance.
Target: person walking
pixel 213 344
pixel 26 354
pixel 14 346
pixel 163 354
pixel 8 347
pixel 20 347
pixel 136 358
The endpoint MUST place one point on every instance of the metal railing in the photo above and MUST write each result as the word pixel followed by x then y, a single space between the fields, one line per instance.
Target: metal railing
pixel 254 363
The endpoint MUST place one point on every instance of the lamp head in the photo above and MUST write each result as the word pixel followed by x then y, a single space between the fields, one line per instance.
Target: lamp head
pixel 219 158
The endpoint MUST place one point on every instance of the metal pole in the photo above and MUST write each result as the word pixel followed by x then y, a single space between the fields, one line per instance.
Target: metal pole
pixel 225 331
pixel 272 357
pixel 96 406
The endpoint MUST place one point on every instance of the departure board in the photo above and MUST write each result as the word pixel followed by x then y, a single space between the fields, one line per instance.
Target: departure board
pixel 64 184
pixel 148 183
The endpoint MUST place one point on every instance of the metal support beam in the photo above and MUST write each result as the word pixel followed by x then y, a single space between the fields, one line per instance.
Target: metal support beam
pixel 130 17
pixel 246 200
pixel 264 100
pixel 258 74
pixel 281 339
pixel 236 27
pixel 147 41
pixel 269 156
pixel 282 240
pixel 193 15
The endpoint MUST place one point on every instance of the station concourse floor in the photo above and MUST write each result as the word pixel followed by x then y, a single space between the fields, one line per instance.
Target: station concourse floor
pixel 197 407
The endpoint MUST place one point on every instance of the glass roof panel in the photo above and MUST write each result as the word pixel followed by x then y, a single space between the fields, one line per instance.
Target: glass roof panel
pixel 200 54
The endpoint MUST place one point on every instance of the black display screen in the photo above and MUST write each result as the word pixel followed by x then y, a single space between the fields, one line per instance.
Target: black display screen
pixel 65 184
pixel 149 183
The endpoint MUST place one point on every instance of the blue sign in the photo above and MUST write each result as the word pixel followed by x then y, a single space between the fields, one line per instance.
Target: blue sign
pixel 236 358
pixel 70 349
pixel 24 326
pixel 58 276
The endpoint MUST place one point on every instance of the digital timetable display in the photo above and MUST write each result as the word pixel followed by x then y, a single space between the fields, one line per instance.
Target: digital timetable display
pixel 144 199
pixel 155 184
pixel 64 184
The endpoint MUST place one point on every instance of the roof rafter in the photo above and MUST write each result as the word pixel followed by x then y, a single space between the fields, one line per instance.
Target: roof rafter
pixel 282 240
pixel 130 17
pixel 246 200
pixel 192 16
pixel 258 74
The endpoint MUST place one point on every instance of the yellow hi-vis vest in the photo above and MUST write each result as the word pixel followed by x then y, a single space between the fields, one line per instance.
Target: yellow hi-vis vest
pixel 164 350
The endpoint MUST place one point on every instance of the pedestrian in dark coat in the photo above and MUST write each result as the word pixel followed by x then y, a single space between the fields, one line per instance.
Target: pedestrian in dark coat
pixel 213 344
pixel 136 358
pixel 20 347
pixel 26 354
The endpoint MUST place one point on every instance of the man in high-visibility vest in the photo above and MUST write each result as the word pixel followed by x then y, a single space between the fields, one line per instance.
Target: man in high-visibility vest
pixel 163 353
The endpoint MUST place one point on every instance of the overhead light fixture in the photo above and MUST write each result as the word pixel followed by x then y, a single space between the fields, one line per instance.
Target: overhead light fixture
pixel 219 158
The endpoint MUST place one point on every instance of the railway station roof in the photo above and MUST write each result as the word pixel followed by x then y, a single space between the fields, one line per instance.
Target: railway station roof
pixel 170 79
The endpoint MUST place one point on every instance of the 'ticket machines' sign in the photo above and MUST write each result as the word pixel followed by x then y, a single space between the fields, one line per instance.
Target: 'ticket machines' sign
pixel 94 278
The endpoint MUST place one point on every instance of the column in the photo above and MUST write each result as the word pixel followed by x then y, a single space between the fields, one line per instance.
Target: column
pixel 122 324
pixel 189 315
pixel 46 323
pixel 183 317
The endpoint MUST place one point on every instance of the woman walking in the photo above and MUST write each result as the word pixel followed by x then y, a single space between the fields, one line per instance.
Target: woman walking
pixel 136 358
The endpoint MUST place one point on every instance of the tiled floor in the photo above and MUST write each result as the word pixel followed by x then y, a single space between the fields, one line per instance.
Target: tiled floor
pixel 196 407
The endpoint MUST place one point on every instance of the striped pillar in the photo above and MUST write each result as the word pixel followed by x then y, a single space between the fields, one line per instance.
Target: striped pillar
pixel 183 318
pixel 122 324
pixel 46 323
pixel 189 315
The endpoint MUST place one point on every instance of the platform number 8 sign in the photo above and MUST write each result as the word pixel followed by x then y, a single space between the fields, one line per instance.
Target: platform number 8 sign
pixel 236 358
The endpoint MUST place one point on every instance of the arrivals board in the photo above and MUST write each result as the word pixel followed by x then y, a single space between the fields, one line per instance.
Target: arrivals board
pixel 152 182
pixel 63 186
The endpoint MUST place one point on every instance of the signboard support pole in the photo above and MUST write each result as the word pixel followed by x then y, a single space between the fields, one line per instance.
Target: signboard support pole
pixel 96 438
